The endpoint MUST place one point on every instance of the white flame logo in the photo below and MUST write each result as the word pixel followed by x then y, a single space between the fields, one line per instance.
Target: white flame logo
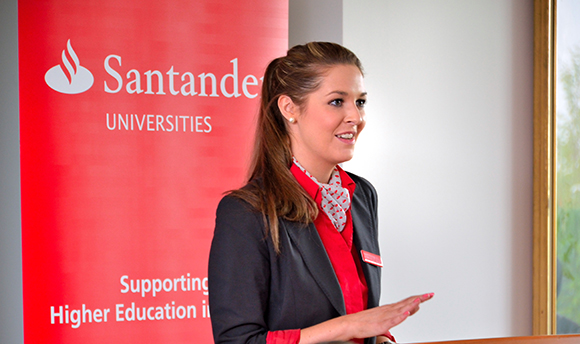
pixel 69 77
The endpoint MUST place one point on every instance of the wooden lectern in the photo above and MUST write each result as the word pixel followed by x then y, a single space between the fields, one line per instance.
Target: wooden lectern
pixel 551 339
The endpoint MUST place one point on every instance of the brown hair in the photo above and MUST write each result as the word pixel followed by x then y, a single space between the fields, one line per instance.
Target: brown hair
pixel 272 189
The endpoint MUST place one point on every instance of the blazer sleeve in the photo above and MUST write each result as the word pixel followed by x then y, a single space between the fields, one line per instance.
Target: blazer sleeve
pixel 239 274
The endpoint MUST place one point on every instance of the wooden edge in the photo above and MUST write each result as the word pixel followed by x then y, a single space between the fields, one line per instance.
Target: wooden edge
pixel 543 268
pixel 549 339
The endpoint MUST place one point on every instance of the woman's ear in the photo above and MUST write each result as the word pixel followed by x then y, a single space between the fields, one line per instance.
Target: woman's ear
pixel 288 108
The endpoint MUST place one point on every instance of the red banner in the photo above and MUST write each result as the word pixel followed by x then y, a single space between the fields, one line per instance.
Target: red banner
pixel 135 117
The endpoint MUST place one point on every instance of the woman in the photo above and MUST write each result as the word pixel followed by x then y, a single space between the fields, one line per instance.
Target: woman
pixel 295 256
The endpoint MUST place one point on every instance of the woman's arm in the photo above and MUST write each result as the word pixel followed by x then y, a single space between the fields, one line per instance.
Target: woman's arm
pixel 369 323
pixel 239 274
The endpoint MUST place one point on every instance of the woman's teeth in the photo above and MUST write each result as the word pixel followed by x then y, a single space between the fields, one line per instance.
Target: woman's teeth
pixel 346 136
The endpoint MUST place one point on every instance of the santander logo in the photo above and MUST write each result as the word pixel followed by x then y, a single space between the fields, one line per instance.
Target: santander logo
pixel 69 76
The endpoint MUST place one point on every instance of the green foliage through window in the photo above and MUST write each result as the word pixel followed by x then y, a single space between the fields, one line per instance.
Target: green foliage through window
pixel 568 198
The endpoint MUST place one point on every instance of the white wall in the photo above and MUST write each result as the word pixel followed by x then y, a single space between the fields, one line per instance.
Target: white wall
pixel 449 147
pixel 319 20
pixel 11 329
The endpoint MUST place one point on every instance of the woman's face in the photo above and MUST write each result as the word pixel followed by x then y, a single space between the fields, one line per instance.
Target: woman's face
pixel 328 123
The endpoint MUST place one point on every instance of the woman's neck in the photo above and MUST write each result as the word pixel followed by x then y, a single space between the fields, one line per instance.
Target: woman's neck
pixel 321 172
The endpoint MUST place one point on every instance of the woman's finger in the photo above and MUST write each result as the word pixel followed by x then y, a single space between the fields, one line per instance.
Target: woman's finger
pixel 427 296
pixel 412 303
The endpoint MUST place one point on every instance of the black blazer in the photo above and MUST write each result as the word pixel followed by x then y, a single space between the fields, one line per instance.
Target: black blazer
pixel 253 290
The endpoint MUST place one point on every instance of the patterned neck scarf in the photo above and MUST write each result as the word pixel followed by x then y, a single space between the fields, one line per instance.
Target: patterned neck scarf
pixel 335 199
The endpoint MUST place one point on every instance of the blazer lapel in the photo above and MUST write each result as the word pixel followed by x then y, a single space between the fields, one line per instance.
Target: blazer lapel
pixel 312 250
pixel 363 239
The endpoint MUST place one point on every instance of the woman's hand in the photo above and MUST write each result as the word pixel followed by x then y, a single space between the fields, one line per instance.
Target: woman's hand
pixel 368 323
pixel 377 321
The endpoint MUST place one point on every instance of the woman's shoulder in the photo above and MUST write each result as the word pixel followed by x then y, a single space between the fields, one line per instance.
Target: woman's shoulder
pixel 232 205
pixel 237 222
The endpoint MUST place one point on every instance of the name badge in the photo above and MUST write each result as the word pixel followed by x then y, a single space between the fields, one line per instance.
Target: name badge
pixel 371 258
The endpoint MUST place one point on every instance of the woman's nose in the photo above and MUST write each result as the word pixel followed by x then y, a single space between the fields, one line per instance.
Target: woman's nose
pixel 354 115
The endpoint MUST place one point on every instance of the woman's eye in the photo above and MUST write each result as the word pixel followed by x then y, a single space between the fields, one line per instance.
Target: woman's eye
pixel 361 103
pixel 336 102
